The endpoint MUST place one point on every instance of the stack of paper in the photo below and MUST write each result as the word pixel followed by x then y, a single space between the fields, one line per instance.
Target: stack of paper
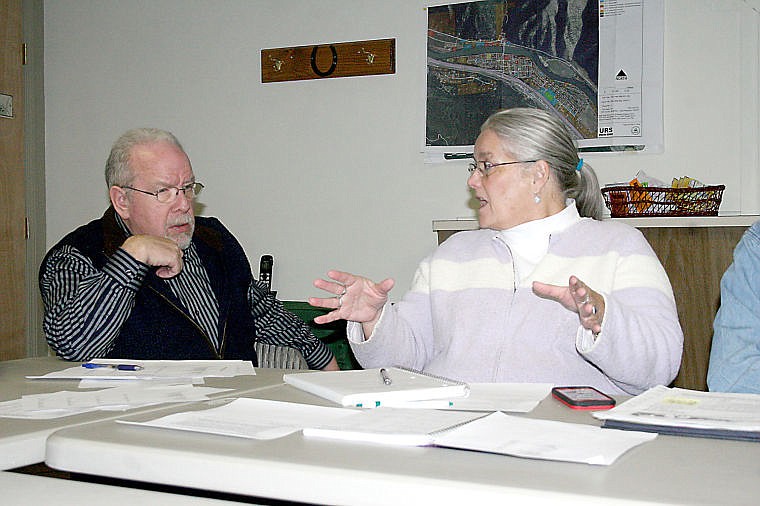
pixel 683 412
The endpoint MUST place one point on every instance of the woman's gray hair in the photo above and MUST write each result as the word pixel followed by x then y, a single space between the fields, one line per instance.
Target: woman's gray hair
pixel 533 134
pixel 118 171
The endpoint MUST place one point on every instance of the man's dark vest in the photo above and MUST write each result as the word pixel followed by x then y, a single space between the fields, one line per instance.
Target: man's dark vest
pixel 159 326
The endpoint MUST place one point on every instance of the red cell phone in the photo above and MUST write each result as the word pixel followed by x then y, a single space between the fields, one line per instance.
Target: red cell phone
pixel 583 398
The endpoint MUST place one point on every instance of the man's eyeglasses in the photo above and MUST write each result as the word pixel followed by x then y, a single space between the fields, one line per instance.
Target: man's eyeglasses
pixel 485 168
pixel 170 194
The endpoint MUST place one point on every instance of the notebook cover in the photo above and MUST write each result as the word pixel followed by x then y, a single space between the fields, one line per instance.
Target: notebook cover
pixel 366 388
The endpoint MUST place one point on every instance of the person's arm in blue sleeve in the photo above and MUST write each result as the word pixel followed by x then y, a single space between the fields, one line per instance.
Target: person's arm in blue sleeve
pixel 735 356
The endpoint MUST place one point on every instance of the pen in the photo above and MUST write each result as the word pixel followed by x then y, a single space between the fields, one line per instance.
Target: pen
pixel 386 378
pixel 119 367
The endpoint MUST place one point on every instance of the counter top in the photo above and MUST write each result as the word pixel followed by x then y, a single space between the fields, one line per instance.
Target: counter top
pixel 653 222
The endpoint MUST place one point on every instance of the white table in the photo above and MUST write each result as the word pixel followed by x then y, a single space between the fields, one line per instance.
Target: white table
pixel 22 442
pixel 28 490
pixel 668 470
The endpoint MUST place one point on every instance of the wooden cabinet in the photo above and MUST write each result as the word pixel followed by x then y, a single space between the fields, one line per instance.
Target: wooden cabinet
pixel 12 202
pixel 695 253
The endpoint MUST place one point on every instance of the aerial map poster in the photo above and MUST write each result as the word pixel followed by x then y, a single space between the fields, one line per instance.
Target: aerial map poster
pixel 582 60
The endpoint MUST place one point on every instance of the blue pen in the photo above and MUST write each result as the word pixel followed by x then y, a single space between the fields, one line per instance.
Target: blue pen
pixel 118 367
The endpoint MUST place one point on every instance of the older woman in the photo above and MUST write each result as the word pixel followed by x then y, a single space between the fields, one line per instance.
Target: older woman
pixel 543 292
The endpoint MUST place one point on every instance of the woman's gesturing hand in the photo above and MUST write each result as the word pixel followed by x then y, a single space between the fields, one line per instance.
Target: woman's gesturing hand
pixel 356 298
pixel 576 297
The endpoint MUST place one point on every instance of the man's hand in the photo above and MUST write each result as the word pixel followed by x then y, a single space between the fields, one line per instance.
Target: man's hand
pixel 156 252
pixel 332 365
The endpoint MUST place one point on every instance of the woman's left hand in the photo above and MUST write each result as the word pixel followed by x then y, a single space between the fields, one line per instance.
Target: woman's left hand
pixel 576 297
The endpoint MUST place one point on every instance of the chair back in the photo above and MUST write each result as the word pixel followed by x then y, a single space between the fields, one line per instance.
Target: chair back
pixel 279 357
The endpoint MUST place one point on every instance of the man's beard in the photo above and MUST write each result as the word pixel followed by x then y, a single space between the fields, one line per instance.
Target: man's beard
pixel 183 240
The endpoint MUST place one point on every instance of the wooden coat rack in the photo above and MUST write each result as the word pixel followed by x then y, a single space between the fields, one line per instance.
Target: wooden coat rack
pixel 345 59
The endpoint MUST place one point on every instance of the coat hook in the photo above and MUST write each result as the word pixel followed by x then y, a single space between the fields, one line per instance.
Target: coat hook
pixel 370 56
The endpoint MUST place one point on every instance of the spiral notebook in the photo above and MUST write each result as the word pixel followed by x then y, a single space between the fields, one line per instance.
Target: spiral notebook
pixel 369 388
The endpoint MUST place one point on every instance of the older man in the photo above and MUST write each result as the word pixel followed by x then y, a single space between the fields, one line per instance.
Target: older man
pixel 150 281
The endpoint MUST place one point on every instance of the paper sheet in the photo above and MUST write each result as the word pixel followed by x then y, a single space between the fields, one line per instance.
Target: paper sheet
pixel 251 418
pixel 543 439
pixel 393 426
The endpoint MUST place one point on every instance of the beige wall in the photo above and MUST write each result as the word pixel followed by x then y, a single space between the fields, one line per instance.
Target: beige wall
pixel 329 173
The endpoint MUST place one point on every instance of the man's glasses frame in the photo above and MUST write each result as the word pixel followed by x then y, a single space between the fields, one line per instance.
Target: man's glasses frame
pixel 166 196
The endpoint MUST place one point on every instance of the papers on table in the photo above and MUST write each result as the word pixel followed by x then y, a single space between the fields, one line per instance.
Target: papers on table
pixel 494 433
pixel 265 419
pixel 685 412
pixel 179 370
pixel 136 384
pixel 67 403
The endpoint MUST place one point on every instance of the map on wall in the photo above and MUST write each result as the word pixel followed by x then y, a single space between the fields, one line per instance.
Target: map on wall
pixel 582 60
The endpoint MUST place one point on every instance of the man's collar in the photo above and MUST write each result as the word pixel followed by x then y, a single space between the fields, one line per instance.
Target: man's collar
pixel 113 233
pixel 122 225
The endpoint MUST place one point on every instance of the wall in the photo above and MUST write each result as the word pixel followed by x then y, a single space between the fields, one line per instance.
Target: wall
pixel 328 173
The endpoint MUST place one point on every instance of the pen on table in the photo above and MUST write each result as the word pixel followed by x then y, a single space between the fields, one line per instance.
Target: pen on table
pixel 386 378
pixel 119 367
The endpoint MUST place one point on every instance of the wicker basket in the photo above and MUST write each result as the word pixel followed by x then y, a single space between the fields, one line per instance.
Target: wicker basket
pixel 630 201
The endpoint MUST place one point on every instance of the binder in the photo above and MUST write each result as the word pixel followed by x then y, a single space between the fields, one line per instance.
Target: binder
pixel 367 388
pixel 684 412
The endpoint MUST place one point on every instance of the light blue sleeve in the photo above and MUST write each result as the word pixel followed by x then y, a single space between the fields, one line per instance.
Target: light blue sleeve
pixel 735 355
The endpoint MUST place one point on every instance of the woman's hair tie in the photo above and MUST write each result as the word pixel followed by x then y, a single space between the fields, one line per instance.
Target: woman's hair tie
pixel 580 165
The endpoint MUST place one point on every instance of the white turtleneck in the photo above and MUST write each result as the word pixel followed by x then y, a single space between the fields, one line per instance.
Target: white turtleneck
pixel 529 242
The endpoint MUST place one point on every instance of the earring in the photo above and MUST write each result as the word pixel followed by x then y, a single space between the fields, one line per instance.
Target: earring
pixel 536 198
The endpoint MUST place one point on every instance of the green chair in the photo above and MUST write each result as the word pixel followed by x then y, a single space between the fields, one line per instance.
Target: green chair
pixel 332 334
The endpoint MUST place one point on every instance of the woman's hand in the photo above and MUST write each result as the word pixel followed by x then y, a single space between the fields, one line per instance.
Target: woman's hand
pixel 576 297
pixel 356 299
